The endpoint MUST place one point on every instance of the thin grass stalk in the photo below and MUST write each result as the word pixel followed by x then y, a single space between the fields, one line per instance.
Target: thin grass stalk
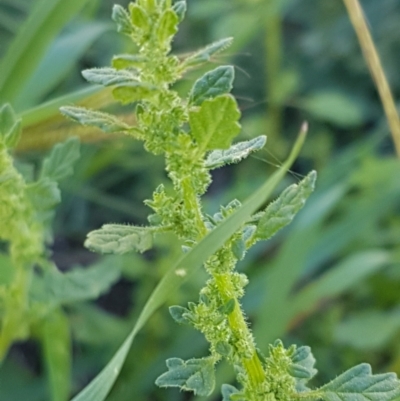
pixel 373 61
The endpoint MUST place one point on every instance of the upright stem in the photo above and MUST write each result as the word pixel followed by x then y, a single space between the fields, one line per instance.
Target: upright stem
pixel 371 56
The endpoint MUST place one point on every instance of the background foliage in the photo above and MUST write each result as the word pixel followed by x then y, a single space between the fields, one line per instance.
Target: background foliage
pixel 331 280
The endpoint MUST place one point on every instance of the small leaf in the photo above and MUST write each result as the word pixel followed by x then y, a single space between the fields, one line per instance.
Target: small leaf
pixel 239 248
pixel 236 153
pixel 215 123
pixel 167 26
pixel 119 239
pixel 359 384
pixel 106 122
pixel 299 372
pixel 54 288
pixel 109 76
pixel 178 314
pixel 203 55
pixel 133 92
pixel 180 9
pixel 43 194
pixel 10 126
pixel 195 375
pixel 281 212
pixel 122 19
pixel 139 17
pixel 128 60
pixel 212 84
pixel 223 348
pixel 303 357
pixel 59 164
pixel 228 391
pixel 228 307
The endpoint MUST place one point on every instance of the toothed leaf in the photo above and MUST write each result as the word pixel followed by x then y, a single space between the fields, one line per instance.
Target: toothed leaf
pixel 195 375
pixel 215 123
pixel 59 164
pixel 106 122
pixel 359 384
pixel 236 153
pixel 281 212
pixel 212 84
pixel 119 239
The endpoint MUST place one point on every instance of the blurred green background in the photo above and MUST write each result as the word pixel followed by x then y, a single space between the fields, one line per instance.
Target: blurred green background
pixel 331 280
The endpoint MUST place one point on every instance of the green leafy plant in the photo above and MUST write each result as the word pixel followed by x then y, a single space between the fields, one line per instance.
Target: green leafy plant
pixel 195 134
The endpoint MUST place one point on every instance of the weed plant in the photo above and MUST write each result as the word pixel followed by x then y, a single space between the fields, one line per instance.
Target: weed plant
pixel 195 133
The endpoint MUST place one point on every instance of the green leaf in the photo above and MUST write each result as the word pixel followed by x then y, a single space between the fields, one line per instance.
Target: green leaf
pixel 45 20
pixel 43 194
pixel 167 26
pixel 106 122
pixel 180 314
pixel 121 17
pixel 236 153
pixel 302 368
pixel 119 239
pixel 197 375
pixel 215 123
pixel 59 164
pixel 229 392
pixel 358 384
pixel 10 126
pixel 61 57
pixel 180 9
pixel 109 76
pixel 54 288
pixel 335 108
pixel 134 91
pixel 205 54
pixel 212 84
pixel 281 212
pixel 55 338
pixel 139 17
pixel 98 389
pixel 128 61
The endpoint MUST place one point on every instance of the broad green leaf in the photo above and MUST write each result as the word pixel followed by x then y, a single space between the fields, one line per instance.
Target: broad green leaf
pixel 106 122
pixel 59 164
pixel 167 26
pixel 54 288
pixel 132 92
pixel 43 194
pixel 281 212
pixel 109 76
pixel 236 153
pixel 119 239
pixel 215 123
pixel 205 54
pixel 121 17
pixel 212 84
pixel 197 375
pixel 98 389
pixel 10 126
pixel 359 384
pixel 55 339
pixel 45 20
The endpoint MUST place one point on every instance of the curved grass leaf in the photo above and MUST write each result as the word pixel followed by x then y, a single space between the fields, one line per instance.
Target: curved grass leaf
pixel 98 389
pixel 46 19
